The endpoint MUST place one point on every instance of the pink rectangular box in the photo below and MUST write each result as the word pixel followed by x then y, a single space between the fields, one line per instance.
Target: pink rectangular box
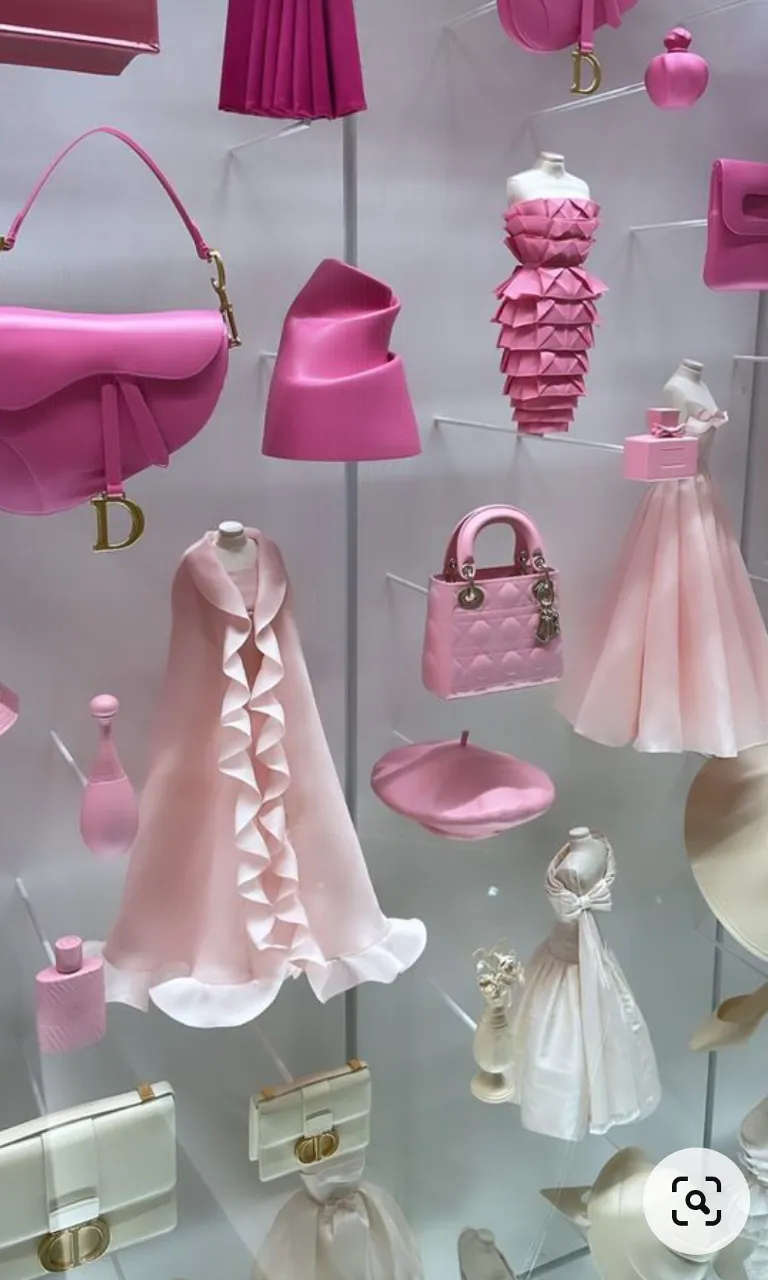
pixel 660 458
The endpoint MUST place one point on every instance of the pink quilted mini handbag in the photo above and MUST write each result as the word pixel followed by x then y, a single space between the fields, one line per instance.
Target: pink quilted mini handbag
pixel 492 629
pixel 88 400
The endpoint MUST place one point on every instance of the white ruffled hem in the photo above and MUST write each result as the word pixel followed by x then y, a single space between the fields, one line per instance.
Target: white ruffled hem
pixel 183 997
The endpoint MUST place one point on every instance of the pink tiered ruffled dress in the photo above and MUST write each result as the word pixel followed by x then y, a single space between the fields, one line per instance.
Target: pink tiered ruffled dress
pixel 547 311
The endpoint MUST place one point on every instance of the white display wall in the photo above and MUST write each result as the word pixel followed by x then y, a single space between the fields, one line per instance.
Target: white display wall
pixel 453 111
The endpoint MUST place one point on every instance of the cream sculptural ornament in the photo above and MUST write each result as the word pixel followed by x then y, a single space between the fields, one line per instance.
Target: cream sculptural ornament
pixel 498 975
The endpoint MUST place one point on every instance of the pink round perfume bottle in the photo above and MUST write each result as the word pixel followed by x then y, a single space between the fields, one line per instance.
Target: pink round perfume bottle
pixel 109 813
pixel 676 79
pixel 71 1000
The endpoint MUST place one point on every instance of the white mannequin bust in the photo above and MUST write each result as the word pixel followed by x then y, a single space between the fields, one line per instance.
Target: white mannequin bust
pixel 548 179
pixel 584 863
pixel 235 549
pixel 687 392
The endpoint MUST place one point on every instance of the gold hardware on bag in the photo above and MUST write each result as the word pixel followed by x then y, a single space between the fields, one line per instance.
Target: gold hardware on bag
pixel 544 594
pixel 225 306
pixel 321 1146
pixel 580 58
pixel 145 1092
pixel 471 596
pixel 101 506
pixel 64 1250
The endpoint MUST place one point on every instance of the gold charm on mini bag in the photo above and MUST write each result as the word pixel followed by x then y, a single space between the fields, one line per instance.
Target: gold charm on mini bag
pixel 544 595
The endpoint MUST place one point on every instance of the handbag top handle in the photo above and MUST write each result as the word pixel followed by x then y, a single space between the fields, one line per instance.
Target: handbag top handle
pixel 203 250
pixel 461 548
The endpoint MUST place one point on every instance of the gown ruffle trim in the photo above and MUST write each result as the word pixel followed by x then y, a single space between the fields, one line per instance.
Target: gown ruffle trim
pixel 276 920
pixel 547 309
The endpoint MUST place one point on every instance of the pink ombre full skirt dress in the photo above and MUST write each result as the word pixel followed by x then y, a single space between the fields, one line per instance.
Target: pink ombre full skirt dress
pixel 547 311
pixel 677 658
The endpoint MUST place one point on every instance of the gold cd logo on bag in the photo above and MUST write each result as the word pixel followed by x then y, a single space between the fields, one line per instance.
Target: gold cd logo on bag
pixel 319 1147
pixel 64 1250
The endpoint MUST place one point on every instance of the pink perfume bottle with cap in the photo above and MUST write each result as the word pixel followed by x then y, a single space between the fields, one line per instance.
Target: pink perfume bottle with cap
pixel 71 1000
pixel 676 79
pixel 109 813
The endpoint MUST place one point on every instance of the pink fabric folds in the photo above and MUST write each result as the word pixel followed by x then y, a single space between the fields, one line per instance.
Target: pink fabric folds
pixel 338 394
pixel 677 659
pixel 9 709
pixel 293 59
pixel 246 869
pixel 547 311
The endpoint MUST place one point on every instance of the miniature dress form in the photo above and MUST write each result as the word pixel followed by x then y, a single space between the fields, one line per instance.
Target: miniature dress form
pixel 677 658
pixel 247 869
pixel 547 306
pixel 583 1057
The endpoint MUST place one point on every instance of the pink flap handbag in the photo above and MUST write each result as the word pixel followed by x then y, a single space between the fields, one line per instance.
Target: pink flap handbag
pixel 89 400
pixel 543 26
pixel 492 629
pixel 99 36
pixel 737 226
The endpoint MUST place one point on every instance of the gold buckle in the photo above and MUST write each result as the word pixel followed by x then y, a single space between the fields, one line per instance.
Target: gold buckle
pixel 64 1250
pixel 580 57
pixel 321 1146
pixel 225 306
pixel 101 506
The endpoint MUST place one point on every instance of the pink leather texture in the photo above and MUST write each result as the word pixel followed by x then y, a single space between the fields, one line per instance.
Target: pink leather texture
pixel 461 791
pixel 676 79
pixel 542 26
pixel 97 36
pixel 87 401
pixel 338 394
pixel 546 312
pixel 292 59
pixel 737 226
pixel 493 647
pixel 57 420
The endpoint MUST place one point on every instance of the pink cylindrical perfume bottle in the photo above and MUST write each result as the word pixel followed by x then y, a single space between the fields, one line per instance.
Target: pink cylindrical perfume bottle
pixel 71 1000
pixel 109 813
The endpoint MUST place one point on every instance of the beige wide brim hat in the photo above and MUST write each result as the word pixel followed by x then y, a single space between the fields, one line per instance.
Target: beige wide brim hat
pixel 726 838
pixel 622 1244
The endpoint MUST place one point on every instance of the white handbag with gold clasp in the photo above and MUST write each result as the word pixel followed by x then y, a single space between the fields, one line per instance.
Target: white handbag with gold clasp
pixel 301 1125
pixel 87 1181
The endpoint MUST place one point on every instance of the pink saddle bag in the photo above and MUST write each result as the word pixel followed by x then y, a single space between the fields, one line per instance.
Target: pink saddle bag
pixel 496 628
pixel 542 26
pixel 737 226
pixel 97 36
pixel 87 401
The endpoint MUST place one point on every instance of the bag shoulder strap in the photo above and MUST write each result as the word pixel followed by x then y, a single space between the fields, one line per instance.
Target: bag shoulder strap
pixel 203 251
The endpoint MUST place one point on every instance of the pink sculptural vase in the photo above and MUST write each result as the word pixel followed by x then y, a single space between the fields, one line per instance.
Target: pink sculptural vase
pixel 678 78
pixel 109 814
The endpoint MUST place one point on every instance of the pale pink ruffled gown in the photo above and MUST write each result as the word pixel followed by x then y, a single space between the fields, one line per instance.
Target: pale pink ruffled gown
pixel 247 869
pixel 677 659
pixel 547 310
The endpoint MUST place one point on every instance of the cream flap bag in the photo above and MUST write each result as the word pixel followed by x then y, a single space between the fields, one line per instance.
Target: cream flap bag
pixel 310 1121
pixel 87 1181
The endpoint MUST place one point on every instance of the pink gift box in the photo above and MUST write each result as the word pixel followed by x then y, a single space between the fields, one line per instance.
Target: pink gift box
pixel 660 458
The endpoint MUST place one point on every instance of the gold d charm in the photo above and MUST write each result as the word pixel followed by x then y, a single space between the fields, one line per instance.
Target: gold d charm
pixel 101 506
pixel 65 1250
pixel 580 57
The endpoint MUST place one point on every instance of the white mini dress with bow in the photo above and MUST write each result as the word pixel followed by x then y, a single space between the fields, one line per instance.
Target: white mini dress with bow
pixel 583 1058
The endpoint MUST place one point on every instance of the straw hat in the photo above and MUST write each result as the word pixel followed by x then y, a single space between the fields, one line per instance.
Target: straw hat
pixel 621 1242
pixel 726 838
